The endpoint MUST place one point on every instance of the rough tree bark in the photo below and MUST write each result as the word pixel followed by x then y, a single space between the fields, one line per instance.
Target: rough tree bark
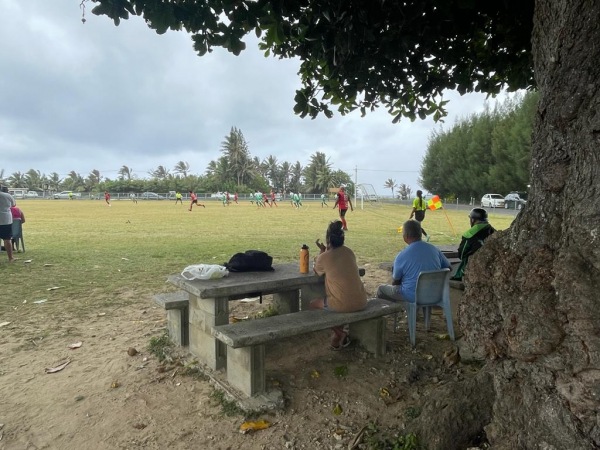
pixel 533 292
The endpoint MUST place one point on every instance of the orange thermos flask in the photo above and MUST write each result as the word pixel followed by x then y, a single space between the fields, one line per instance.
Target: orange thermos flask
pixel 304 259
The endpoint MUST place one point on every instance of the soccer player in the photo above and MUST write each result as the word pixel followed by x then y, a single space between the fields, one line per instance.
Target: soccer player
pixel 342 201
pixel 107 198
pixel 194 201
pixel 323 202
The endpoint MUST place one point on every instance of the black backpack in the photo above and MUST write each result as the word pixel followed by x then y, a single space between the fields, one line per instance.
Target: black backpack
pixel 250 261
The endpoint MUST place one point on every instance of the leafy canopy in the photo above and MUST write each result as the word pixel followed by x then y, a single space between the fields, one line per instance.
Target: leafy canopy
pixel 359 54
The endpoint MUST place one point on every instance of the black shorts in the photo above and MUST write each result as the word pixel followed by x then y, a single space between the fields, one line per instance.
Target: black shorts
pixel 343 212
pixel 6 231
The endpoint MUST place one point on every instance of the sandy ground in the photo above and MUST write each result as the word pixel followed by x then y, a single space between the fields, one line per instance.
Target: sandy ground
pixel 106 399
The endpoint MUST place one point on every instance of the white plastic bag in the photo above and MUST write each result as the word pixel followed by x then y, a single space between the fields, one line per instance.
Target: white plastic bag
pixel 204 272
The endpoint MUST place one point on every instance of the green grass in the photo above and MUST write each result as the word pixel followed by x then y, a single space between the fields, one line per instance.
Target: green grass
pixel 102 258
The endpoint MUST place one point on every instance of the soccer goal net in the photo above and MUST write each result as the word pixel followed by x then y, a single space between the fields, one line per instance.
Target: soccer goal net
pixel 366 193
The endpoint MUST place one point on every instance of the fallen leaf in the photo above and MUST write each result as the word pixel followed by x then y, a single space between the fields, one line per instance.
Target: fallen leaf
pixel 315 374
pixel 48 265
pixel 53 288
pixel 115 384
pixel 442 337
pixel 383 392
pixel 59 367
pixel 125 259
pixel 27 261
pixel 44 300
pixel 101 314
pixel 3 324
pixel 75 345
pixel 337 409
pixel 247 427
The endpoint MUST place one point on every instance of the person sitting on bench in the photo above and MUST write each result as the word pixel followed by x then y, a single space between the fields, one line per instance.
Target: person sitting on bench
pixel 344 290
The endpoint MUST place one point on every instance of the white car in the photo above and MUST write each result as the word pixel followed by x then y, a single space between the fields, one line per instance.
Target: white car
pixel 32 194
pixel 492 201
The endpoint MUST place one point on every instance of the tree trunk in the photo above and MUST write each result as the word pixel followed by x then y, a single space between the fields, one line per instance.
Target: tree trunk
pixel 533 292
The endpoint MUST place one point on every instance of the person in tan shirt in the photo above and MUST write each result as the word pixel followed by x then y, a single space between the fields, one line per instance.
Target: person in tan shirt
pixel 344 290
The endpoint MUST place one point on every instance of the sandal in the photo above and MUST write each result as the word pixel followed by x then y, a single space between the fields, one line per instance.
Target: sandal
pixel 345 343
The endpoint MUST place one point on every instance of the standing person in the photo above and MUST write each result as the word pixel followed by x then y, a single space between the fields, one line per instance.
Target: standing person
pixel 178 198
pixel 344 290
pixel 323 201
pixel 342 201
pixel 472 239
pixel 6 202
pixel 417 257
pixel 273 202
pixel 235 198
pixel 418 211
pixel 194 201
pixel 18 219
pixel 107 198
pixel 133 197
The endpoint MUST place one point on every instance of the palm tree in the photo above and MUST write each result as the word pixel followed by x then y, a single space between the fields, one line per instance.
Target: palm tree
pixel 390 184
pixel 34 179
pixel 296 177
pixel 404 191
pixel 18 180
pixel 74 181
pixel 271 168
pixel 54 181
pixel 125 173
pixel 235 148
pixel 285 172
pixel 318 175
pixel 161 173
pixel 182 168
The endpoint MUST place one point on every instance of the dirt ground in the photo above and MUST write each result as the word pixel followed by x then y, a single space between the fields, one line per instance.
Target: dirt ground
pixel 107 399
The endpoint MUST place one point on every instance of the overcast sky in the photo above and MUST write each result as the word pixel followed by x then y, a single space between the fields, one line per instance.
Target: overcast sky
pixel 91 96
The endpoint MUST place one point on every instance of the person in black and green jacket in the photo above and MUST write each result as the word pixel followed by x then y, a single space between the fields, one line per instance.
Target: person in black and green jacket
pixel 473 238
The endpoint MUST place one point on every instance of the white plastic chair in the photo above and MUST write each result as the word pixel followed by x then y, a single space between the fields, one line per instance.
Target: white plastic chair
pixel 433 289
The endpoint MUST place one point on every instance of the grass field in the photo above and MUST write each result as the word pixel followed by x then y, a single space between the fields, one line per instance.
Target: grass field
pixel 99 257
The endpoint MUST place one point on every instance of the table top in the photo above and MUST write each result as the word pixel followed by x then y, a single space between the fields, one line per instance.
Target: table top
pixel 285 277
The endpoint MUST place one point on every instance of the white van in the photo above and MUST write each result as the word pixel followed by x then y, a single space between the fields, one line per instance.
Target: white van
pixel 18 193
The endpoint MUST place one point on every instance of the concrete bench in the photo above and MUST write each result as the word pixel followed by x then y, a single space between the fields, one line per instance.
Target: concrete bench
pixel 178 324
pixel 246 340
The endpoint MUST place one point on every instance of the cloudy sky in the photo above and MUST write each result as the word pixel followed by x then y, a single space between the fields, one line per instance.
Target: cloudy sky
pixel 91 96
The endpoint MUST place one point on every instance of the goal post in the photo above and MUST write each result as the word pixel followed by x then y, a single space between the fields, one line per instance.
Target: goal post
pixel 367 193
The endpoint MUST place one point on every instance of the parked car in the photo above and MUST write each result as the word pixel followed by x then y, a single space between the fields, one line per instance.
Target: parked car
pixel 18 193
pixel 151 196
pixel 67 194
pixel 515 200
pixel 32 194
pixel 492 201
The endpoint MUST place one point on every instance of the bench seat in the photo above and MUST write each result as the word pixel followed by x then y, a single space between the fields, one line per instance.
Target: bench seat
pixel 245 340
pixel 177 306
pixel 262 331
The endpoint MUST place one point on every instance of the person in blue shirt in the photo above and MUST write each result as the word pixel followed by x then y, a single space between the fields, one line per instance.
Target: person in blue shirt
pixel 417 257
